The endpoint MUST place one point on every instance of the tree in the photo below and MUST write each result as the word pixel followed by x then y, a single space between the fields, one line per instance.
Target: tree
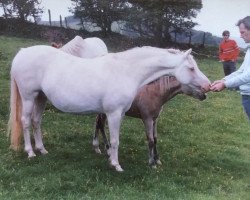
pixel 21 9
pixel 4 4
pixel 100 12
pixel 150 18
pixel 158 18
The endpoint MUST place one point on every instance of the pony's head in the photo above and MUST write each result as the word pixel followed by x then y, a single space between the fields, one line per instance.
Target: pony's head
pixel 193 81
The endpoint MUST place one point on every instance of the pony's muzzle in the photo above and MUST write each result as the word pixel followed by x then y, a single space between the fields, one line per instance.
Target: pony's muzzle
pixel 205 88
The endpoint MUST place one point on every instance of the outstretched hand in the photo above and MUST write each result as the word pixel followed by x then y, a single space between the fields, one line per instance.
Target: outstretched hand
pixel 217 86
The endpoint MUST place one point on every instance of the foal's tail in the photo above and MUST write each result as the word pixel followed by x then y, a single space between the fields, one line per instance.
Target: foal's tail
pixel 15 125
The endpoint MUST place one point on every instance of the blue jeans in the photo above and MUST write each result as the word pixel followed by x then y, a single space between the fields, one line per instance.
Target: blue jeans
pixel 246 104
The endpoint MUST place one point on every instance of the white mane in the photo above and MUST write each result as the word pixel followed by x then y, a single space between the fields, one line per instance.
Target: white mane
pixel 138 53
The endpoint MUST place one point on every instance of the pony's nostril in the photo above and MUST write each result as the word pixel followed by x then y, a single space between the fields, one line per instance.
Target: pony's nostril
pixel 205 88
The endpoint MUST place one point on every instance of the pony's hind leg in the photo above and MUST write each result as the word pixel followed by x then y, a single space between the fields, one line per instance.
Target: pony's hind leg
pixel 38 109
pixel 26 122
pixel 100 126
pixel 104 136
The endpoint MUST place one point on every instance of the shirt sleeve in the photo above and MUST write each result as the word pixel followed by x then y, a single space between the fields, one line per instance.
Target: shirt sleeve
pixel 239 77
pixel 236 51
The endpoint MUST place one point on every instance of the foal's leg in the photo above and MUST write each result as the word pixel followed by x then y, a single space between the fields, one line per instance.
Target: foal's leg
pixel 104 136
pixel 114 122
pixel 38 109
pixel 156 155
pixel 100 125
pixel 148 123
pixel 26 122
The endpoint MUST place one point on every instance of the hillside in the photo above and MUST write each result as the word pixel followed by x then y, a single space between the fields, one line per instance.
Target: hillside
pixel 197 36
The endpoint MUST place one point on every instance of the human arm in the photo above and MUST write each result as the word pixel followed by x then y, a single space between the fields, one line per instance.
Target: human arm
pixel 241 76
pixel 236 51
pixel 220 52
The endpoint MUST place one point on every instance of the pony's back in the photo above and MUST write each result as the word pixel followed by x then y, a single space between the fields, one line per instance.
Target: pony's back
pixel 85 48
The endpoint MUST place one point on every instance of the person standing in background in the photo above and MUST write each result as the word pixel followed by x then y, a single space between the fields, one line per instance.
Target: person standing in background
pixel 228 53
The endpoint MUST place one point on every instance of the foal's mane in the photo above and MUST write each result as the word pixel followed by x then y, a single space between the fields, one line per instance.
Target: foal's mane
pixel 164 83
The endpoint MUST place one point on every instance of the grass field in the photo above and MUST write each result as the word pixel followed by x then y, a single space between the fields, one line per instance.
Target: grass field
pixel 204 147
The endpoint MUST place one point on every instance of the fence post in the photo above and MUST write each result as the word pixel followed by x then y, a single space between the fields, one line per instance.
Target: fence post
pixel 49 17
pixel 66 23
pixel 204 38
pixel 61 21
pixel 190 39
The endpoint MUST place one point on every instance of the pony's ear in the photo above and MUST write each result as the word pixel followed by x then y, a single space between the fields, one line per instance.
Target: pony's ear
pixel 188 52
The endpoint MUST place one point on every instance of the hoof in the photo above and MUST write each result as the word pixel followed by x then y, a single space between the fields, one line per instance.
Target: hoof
pixel 158 162
pixel 118 168
pixel 44 151
pixel 31 155
pixel 154 166
pixel 97 150
pixel 108 152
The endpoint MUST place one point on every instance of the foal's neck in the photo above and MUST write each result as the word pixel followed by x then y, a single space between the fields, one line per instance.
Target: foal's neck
pixel 170 88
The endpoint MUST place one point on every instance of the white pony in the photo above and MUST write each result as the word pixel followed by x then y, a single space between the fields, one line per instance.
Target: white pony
pixel 85 48
pixel 106 84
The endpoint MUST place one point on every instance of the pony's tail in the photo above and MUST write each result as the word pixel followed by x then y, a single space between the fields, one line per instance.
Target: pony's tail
pixel 15 124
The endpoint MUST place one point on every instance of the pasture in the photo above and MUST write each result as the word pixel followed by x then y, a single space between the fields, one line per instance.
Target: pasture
pixel 204 147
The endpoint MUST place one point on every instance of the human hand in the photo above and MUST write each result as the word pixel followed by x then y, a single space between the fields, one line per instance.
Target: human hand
pixel 217 81
pixel 217 86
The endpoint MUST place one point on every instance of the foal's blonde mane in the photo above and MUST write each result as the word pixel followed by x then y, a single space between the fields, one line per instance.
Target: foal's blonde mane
pixel 163 82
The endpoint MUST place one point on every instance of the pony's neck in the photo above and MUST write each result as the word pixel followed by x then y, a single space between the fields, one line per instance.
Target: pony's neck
pixel 147 64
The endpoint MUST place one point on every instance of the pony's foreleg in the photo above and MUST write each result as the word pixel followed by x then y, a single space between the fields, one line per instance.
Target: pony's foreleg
pixel 148 123
pixel 100 125
pixel 114 122
pixel 156 155
pixel 38 109
pixel 26 122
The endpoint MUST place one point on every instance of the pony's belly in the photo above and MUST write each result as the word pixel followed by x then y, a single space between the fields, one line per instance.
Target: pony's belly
pixel 71 105
pixel 77 109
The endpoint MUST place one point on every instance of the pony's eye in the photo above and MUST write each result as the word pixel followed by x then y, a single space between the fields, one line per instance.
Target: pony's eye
pixel 191 68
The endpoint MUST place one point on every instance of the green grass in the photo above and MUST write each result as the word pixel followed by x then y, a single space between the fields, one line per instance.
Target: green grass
pixel 204 147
